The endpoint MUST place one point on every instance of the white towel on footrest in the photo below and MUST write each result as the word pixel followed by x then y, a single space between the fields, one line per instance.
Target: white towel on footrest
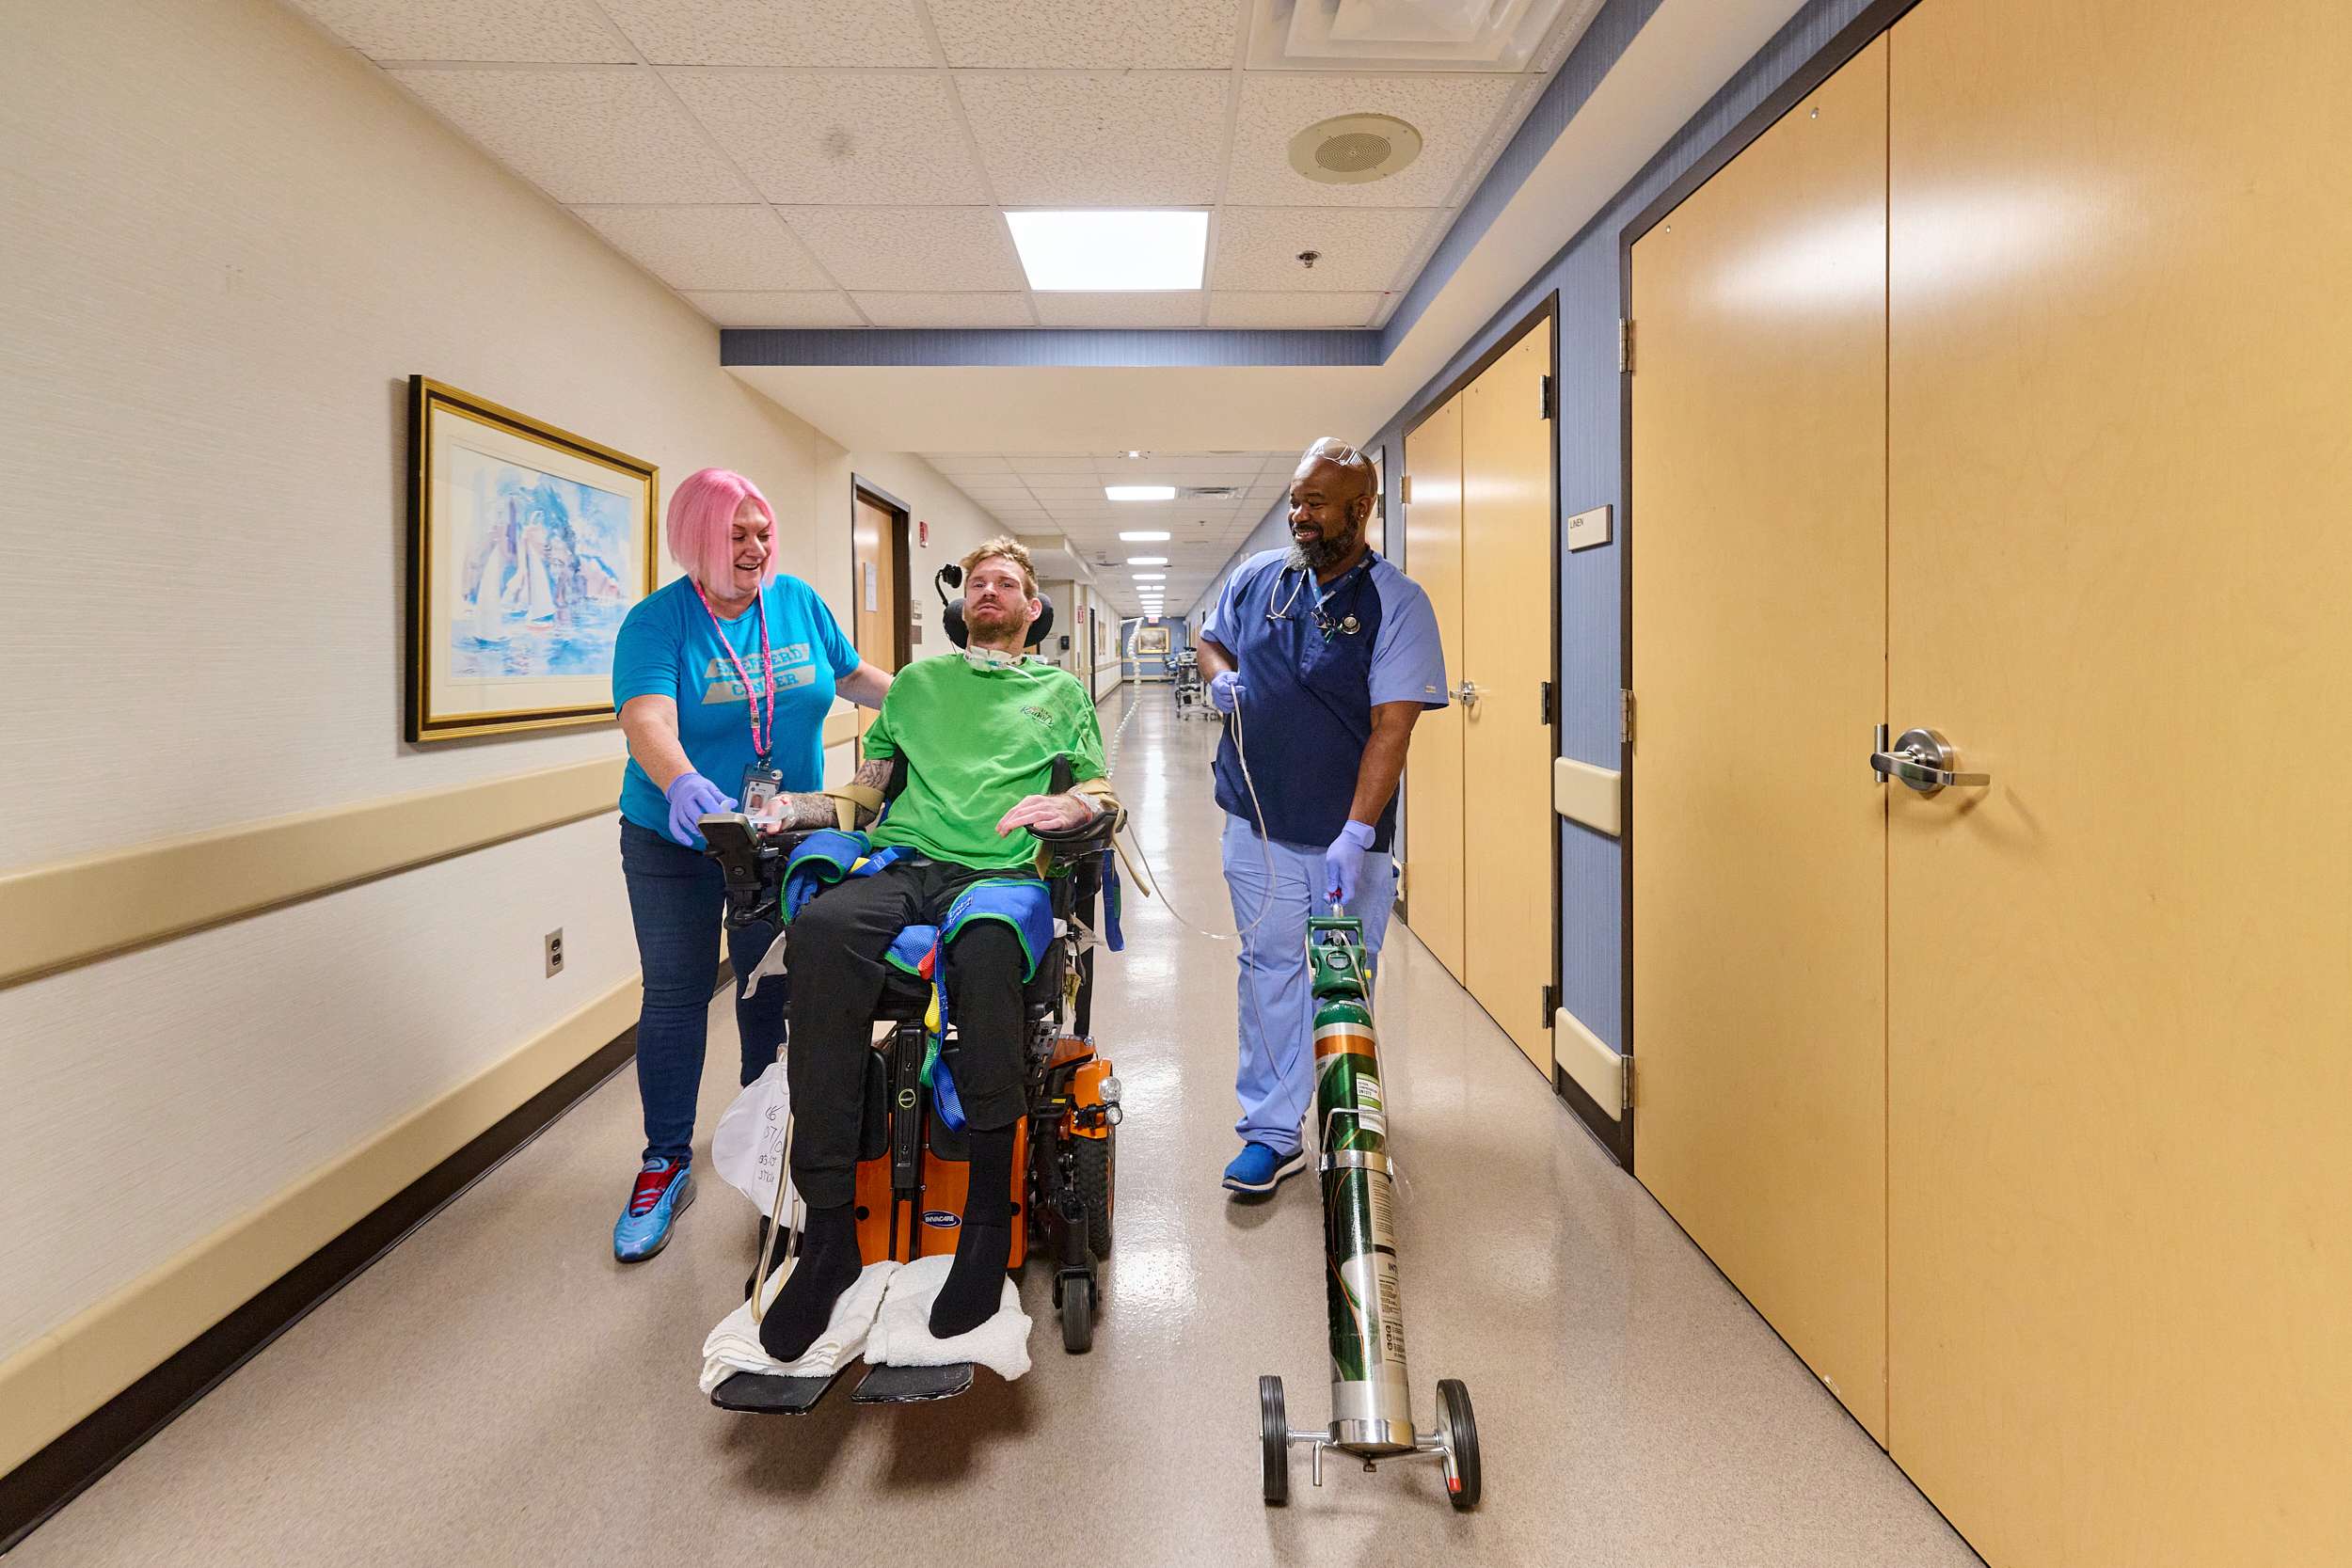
pixel 902 1333
pixel 734 1346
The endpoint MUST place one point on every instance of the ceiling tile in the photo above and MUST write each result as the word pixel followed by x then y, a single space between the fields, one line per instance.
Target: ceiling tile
pixel 1138 138
pixel 775 32
pixel 1055 463
pixel 709 247
pixel 1455 113
pixel 582 136
pixel 562 31
pixel 809 137
pixel 1183 35
pixel 1257 247
pixel 1297 309
pixel 912 249
pixel 776 308
pixel 929 310
pixel 1137 309
pixel 967 462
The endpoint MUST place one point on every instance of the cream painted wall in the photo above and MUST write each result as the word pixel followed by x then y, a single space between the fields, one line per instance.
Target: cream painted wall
pixel 227 244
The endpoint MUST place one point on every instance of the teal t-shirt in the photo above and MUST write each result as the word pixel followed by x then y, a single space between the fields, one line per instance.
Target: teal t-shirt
pixel 977 742
pixel 669 647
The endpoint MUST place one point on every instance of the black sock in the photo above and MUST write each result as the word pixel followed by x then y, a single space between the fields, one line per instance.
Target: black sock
pixel 975 1282
pixel 829 1265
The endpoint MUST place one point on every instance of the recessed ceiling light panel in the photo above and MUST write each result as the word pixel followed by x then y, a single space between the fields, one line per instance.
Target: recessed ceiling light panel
pixel 1147 560
pixel 1141 492
pixel 1144 536
pixel 1353 149
pixel 1110 252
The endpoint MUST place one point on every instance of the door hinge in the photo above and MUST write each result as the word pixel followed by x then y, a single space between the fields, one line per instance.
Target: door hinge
pixel 1546 717
pixel 1549 410
pixel 1625 344
pixel 1625 716
pixel 1405 491
pixel 1551 1003
pixel 1625 1082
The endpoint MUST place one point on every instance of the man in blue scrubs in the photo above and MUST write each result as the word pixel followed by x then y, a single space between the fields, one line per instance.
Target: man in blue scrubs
pixel 1325 656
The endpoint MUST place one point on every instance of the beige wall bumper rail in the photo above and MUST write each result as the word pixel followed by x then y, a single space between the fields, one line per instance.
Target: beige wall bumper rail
pixel 54 917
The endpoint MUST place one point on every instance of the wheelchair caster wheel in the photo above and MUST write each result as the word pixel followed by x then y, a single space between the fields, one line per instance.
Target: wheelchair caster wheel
pixel 1077 1315
pixel 1457 1430
pixel 1274 1437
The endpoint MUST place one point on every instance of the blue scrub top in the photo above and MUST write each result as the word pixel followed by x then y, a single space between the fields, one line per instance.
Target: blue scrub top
pixel 669 647
pixel 1310 684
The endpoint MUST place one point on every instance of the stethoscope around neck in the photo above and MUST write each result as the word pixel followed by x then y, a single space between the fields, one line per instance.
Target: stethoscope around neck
pixel 1347 626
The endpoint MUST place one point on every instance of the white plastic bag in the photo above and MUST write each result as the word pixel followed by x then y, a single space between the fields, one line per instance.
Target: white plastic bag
pixel 747 1147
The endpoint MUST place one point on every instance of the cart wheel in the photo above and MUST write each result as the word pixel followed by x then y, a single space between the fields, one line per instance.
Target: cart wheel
pixel 1274 1437
pixel 1077 1315
pixel 1457 1429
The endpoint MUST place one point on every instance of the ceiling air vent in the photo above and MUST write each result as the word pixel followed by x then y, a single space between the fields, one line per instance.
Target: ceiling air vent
pixel 1441 35
pixel 1208 493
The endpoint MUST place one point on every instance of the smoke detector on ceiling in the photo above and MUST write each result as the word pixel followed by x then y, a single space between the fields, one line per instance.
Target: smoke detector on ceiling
pixel 1350 150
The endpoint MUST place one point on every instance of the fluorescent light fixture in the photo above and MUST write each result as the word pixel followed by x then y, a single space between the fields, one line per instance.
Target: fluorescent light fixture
pixel 1144 536
pixel 1147 560
pixel 1150 577
pixel 1141 492
pixel 1111 252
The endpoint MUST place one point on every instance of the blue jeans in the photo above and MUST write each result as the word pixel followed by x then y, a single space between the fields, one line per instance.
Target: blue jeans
pixel 677 899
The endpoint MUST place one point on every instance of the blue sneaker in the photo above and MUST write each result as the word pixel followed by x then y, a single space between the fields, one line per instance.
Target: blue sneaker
pixel 664 1189
pixel 1259 1169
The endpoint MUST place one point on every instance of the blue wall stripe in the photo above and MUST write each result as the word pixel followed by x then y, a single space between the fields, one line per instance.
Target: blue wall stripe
pixel 1044 349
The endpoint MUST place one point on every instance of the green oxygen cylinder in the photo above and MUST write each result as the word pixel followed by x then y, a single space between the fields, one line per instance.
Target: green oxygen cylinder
pixel 1371 1408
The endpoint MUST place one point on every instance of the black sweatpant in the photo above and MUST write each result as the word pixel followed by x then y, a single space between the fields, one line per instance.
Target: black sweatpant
pixel 835 951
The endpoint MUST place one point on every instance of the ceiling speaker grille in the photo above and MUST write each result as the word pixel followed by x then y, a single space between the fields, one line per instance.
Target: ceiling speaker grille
pixel 1351 149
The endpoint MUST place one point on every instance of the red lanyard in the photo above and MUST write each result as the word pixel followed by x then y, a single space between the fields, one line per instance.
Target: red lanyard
pixel 762 732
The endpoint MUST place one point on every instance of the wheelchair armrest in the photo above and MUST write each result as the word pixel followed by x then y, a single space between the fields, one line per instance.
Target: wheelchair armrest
pixel 1069 846
pixel 752 863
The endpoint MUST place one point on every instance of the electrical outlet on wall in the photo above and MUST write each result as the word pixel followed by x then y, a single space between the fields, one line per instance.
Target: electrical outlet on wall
pixel 555 951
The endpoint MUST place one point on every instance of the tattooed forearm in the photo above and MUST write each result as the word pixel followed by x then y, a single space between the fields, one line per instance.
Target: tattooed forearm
pixel 816 809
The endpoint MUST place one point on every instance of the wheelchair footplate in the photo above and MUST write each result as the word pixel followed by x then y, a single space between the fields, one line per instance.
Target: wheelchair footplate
pixel 765 1394
pixel 912 1385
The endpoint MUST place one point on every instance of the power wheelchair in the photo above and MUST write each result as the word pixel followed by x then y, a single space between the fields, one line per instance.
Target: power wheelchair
pixel 911 1165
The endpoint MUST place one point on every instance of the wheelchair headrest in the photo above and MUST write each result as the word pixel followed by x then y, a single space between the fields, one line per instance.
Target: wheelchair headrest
pixel 952 612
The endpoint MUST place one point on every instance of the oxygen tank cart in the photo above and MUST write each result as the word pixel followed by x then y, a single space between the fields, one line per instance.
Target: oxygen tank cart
pixel 1372 1407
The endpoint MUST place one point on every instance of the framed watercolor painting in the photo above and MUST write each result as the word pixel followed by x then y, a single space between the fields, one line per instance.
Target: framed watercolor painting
pixel 527 547
pixel 1149 639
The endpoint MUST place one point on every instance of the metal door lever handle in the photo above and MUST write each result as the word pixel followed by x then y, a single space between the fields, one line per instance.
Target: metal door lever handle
pixel 1466 692
pixel 1922 759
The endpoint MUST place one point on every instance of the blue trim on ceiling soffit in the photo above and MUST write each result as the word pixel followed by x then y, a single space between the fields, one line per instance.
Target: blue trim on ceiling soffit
pixel 1612 29
pixel 1045 348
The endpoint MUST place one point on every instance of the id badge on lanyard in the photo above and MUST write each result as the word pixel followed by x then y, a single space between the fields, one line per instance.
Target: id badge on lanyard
pixel 763 783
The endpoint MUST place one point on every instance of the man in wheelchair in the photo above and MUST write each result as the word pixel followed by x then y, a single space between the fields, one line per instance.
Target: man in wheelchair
pixel 967 744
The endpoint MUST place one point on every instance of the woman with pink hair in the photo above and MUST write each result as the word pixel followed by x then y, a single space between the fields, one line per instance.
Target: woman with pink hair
pixel 723 676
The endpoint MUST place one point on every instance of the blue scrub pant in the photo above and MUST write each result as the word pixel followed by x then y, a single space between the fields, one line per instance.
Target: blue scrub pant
pixel 1277 1075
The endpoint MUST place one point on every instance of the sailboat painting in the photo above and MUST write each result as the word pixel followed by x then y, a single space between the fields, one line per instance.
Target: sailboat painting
pixel 529 544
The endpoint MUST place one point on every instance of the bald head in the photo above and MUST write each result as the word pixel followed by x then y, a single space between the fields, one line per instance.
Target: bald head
pixel 1331 496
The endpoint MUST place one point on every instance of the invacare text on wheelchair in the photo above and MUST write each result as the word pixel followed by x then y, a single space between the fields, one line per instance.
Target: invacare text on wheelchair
pixel 912 1166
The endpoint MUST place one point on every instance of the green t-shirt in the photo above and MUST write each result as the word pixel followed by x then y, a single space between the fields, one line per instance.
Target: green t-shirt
pixel 977 742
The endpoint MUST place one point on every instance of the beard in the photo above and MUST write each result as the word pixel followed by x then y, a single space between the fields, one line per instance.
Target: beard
pixel 1325 553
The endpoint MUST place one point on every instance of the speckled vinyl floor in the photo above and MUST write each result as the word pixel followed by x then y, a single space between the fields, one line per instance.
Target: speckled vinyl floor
pixel 498 1391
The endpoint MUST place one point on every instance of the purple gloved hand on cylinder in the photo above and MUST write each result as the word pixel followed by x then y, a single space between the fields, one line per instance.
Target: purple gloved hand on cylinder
pixel 1225 689
pixel 691 798
pixel 1344 862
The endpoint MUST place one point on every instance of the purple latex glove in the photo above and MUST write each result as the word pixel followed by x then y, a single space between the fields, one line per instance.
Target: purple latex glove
pixel 1225 689
pixel 691 798
pixel 1344 862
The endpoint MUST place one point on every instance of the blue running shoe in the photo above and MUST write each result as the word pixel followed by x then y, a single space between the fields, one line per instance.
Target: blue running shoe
pixel 664 1190
pixel 1259 1169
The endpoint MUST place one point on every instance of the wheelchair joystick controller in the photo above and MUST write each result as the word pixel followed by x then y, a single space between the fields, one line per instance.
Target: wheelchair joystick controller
pixel 1372 1411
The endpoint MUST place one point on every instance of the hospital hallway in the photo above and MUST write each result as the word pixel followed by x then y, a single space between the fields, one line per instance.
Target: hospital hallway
pixel 498 1391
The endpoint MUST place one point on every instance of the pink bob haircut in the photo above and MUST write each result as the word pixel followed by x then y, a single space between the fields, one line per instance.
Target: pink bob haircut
pixel 702 524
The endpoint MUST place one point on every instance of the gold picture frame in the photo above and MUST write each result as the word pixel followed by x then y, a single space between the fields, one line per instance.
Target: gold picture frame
pixel 1150 642
pixel 528 545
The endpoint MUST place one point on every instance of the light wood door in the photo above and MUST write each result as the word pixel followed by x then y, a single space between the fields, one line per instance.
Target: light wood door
pixel 1758 545
pixel 2121 1075
pixel 873 584
pixel 1506 652
pixel 1434 804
